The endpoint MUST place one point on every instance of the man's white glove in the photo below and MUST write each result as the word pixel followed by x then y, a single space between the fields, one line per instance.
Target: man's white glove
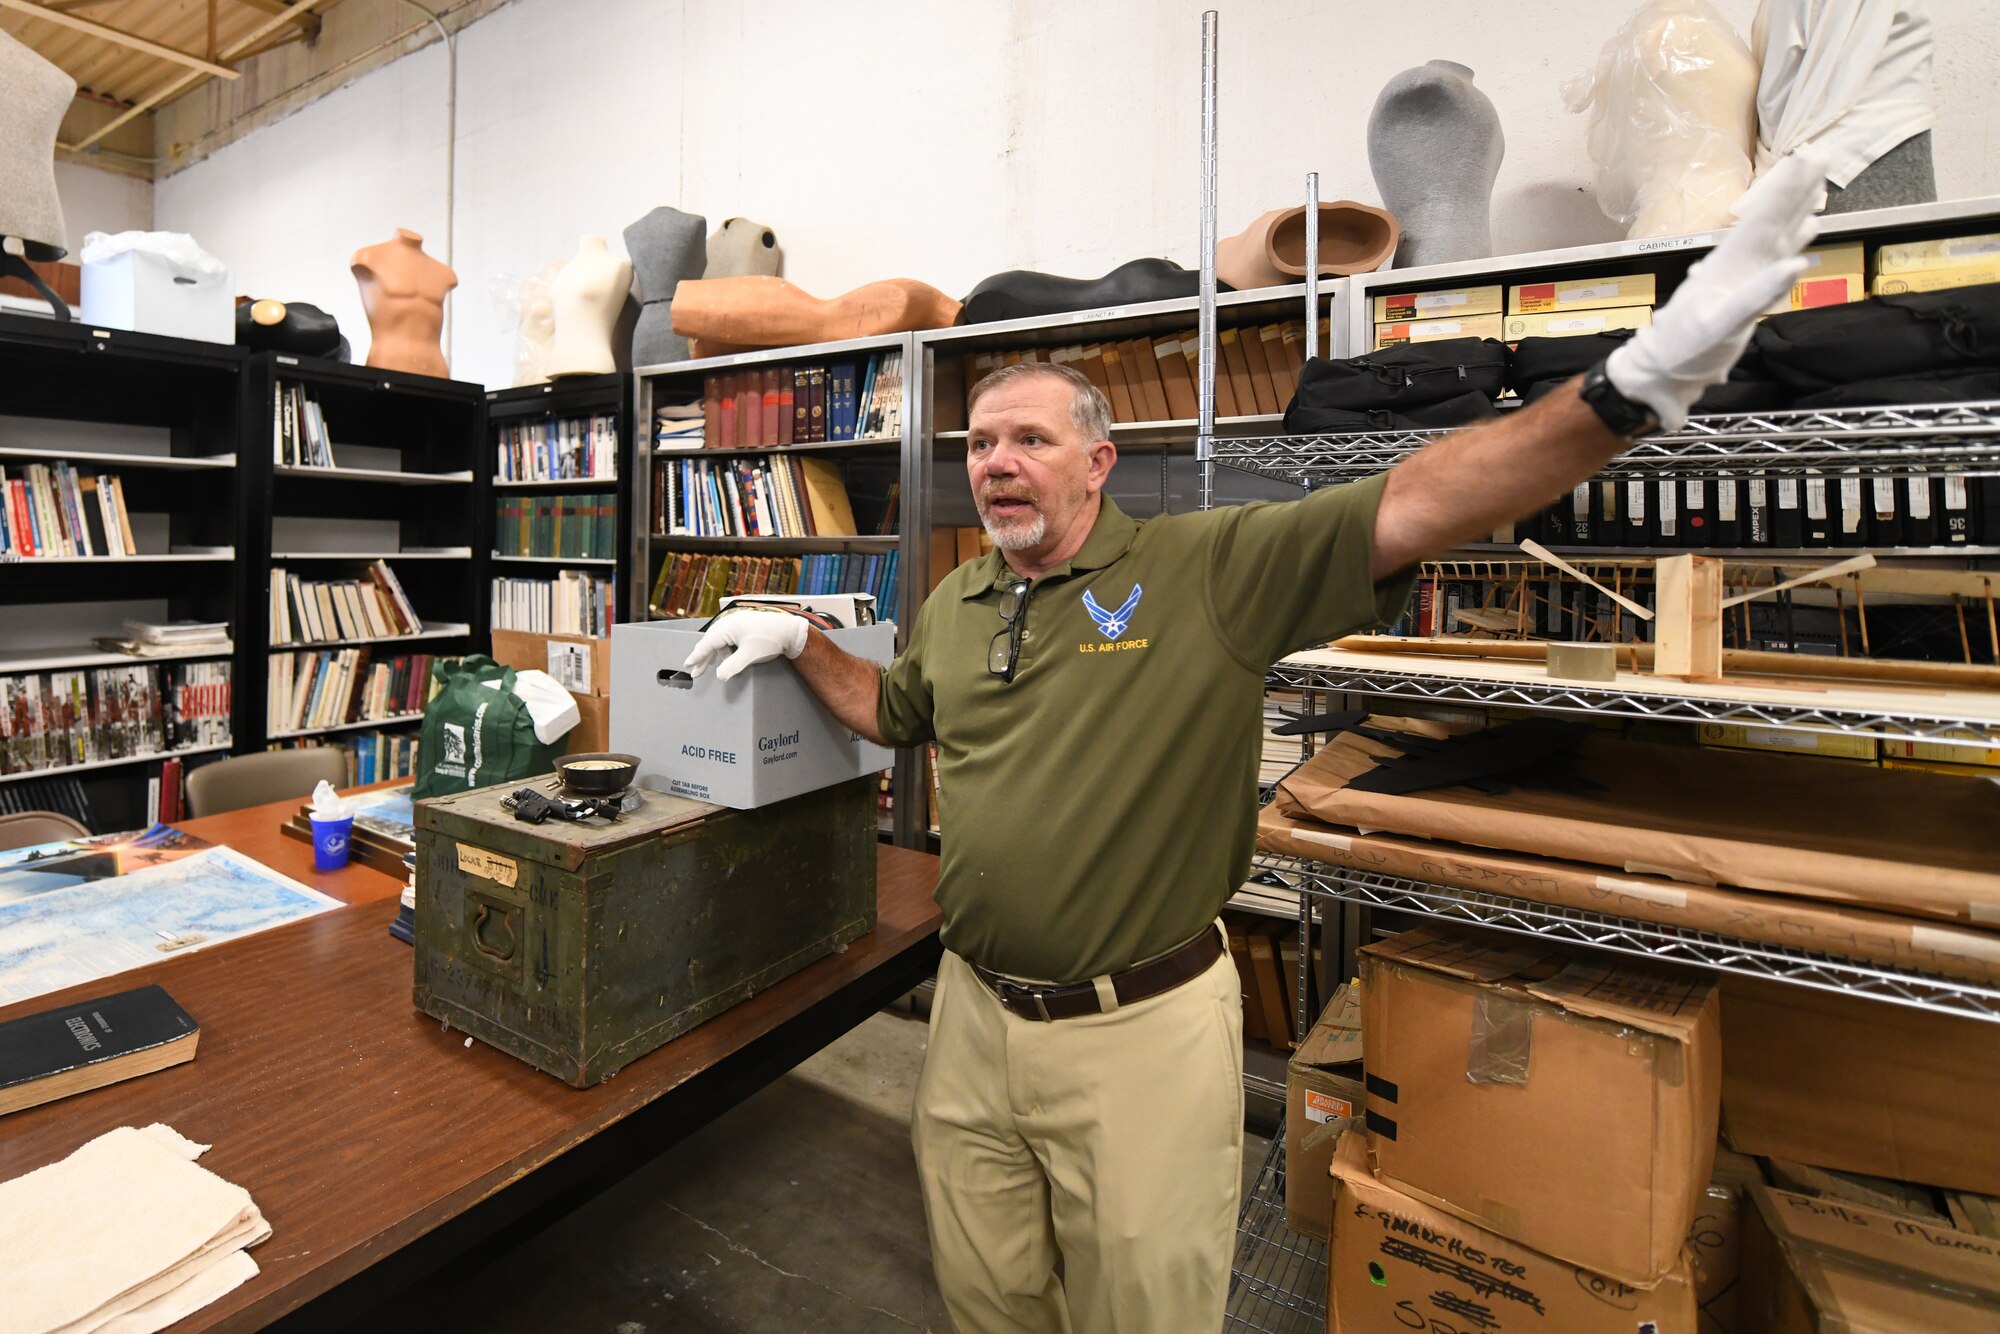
pixel 757 636
pixel 1696 337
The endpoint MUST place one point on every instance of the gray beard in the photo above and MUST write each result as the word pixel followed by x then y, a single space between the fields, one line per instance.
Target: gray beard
pixel 1018 537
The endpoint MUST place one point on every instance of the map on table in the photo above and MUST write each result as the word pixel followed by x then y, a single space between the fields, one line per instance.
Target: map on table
pixel 93 907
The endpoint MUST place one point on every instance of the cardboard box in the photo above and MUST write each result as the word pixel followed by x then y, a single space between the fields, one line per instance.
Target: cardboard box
pixel 1937 280
pixel 1963 952
pixel 746 742
pixel 1567 1102
pixel 1939 752
pixel 1323 1096
pixel 1424 331
pixel 1568 324
pixel 1397 1263
pixel 1893 1197
pixel 580 664
pixel 1858 1086
pixel 1833 277
pixel 1818 1265
pixel 1611 290
pixel 1715 1240
pixel 1451 303
pixel 149 293
pixel 1979 771
pixel 1948 252
pixel 592 733
pixel 1735 736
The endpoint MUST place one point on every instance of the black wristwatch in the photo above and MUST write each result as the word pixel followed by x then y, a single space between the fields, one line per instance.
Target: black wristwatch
pixel 1620 414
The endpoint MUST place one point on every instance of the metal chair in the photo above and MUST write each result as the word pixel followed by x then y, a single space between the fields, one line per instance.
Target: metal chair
pixel 271 775
pixel 27 828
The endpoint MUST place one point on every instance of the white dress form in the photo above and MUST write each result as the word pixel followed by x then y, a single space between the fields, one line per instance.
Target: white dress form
pixel 587 295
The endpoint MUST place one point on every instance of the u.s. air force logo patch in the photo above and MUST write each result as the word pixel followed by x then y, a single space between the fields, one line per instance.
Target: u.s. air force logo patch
pixel 1113 624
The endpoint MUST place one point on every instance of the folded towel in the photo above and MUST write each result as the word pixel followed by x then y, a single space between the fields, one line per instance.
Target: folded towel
pixel 126 1234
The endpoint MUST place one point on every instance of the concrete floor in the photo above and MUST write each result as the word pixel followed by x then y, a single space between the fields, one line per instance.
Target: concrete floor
pixel 796 1211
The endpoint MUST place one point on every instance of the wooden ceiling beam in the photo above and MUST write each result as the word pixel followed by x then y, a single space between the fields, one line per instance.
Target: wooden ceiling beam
pixel 119 36
pixel 192 77
pixel 308 23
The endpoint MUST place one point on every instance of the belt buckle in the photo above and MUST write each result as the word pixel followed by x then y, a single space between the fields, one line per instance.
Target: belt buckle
pixel 1016 991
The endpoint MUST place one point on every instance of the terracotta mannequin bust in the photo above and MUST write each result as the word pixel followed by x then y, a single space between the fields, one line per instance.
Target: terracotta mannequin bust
pixel 587 296
pixel 1434 144
pixel 403 291
pixel 35 94
pixel 729 314
pixel 1353 238
pixel 667 249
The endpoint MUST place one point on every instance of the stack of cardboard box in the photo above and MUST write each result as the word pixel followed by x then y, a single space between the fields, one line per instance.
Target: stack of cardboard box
pixel 1420 317
pixel 1579 306
pixel 1932 266
pixel 1530 1143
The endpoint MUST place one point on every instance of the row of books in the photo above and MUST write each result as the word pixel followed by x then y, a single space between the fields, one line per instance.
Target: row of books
pixel 557 450
pixel 1844 510
pixel 952 547
pixel 311 691
pixel 572 603
pixel 570 526
pixel 693 584
pixel 50 509
pixel 318 611
pixel 51 720
pixel 782 496
pixel 372 757
pixel 166 793
pixel 64 796
pixel 859 398
pixel 1146 380
pixel 299 437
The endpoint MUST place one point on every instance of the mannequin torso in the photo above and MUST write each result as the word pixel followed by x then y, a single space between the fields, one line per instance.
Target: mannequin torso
pixel 666 248
pixel 403 291
pixel 587 295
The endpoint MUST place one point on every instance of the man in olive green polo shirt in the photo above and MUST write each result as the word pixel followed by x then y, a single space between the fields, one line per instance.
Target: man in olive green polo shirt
pixel 1094 687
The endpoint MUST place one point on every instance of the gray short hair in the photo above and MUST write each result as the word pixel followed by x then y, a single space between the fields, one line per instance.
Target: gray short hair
pixel 1089 410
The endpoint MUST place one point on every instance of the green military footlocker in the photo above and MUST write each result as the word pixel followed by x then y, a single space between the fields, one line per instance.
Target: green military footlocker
pixel 580 947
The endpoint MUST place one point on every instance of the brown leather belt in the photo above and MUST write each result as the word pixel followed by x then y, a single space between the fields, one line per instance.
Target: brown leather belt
pixel 1135 984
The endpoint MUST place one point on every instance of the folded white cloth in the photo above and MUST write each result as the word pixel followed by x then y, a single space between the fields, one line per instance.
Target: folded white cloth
pixel 125 1235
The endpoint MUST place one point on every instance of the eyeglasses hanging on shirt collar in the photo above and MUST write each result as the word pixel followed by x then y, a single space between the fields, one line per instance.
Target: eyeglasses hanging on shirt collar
pixel 1005 651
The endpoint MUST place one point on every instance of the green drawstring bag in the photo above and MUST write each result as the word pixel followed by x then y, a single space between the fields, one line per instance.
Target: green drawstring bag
pixel 477 732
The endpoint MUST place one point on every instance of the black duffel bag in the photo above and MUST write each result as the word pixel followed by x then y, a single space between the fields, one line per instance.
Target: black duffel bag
pixel 1883 337
pixel 1957 385
pixel 1460 411
pixel 1534 360
pixel 1400 379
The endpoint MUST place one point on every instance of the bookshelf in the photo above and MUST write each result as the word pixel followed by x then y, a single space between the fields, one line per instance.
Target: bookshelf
pixel 554 447
pixel 871 455
pixel 162 416
pixel 350 469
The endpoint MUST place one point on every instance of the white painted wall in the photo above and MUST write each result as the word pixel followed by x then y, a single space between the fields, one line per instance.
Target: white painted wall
pixel 94 200
pixel 915 138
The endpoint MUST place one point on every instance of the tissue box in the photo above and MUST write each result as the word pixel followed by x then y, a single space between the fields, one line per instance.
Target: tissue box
pixel 149 293
pixel 747 742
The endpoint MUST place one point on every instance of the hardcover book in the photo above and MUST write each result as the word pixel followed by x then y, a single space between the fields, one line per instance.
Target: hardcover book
pixel 89 1044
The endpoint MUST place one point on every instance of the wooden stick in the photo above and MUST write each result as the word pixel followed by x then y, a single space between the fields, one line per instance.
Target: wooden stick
pixel 1840 611
pixel 1540 552
pixel 1992 627
pixel 1964 640
pixel 1865 561
pixel 1861 615
pixel 95 29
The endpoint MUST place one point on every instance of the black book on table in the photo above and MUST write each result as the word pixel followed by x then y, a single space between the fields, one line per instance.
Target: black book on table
pixel 88 1044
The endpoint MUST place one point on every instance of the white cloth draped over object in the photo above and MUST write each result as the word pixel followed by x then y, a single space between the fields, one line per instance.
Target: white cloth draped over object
pixel 1849 78
pixel 125 1236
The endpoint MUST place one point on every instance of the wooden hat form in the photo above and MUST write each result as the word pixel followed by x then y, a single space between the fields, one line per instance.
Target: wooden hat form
pixel 761 311
pixel 1353 238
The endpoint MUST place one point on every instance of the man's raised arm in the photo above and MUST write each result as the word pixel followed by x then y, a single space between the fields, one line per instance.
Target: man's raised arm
pixel 1467 484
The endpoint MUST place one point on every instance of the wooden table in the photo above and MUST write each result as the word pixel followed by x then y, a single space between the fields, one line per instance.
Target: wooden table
pixel 378 1144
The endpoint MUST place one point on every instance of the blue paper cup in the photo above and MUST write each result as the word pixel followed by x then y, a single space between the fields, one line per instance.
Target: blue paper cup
pixel 331 842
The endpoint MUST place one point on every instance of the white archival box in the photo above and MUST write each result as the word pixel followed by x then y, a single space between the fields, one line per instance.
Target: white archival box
pixel 756 739
pixel 148 292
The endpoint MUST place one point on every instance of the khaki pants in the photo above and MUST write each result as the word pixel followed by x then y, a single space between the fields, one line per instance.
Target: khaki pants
pixel 1111 1144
